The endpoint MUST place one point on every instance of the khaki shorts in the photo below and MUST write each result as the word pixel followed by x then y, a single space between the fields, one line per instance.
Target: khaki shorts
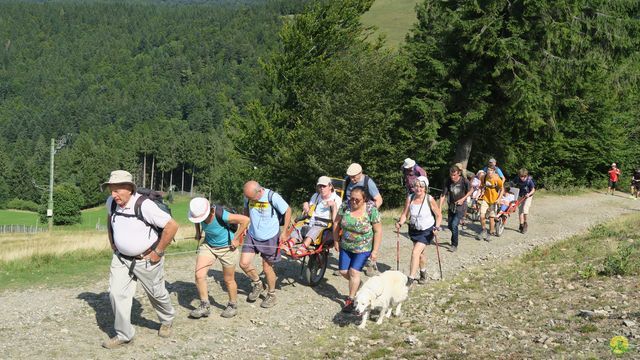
pixel 225 255
pixel 486 209
pixel 524 206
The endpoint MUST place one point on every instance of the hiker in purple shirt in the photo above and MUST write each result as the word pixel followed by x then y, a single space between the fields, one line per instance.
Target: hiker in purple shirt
pixel 410 173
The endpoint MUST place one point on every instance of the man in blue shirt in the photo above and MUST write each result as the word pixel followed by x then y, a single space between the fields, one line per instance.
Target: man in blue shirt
pixel 264 207
pixel 357 178
pixel 492 164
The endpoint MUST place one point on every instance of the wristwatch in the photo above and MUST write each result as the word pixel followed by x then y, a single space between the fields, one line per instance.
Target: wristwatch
pixel 160 254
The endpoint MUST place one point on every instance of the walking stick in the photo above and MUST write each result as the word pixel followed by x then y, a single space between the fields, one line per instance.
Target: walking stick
pixel 398 250
pixel 435 236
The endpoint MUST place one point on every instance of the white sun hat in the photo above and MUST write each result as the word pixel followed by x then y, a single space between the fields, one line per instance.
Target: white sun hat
pixel 199 209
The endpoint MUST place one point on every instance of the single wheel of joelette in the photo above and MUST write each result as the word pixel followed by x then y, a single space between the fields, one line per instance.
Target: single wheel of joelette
pixel 316 267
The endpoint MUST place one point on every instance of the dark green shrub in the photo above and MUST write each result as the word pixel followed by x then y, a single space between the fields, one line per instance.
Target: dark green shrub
pixel 67 202
pixel 20 204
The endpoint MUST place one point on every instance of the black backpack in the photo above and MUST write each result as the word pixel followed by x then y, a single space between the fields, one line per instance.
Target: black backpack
pixel 231 228
pixel 273 209
pixel 147 194
pixel 347 180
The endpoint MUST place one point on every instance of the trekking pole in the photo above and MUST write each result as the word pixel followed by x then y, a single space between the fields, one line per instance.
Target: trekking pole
pixel 435 236
pixel 398 250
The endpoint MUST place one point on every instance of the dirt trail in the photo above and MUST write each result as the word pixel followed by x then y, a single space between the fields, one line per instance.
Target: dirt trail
pixel 72 322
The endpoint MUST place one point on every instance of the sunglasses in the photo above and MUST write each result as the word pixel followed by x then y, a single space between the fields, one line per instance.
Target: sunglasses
pixel 356 200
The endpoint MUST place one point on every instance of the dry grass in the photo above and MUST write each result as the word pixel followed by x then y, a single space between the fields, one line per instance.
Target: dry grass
pixel 20 246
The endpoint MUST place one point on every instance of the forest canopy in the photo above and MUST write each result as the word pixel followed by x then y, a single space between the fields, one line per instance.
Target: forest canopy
pixel 213 93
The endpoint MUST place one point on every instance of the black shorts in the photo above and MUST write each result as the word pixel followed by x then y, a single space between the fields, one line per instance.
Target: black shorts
pixel 613 184
pixel 635 184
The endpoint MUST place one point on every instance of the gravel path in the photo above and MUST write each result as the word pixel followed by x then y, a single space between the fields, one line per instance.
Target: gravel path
pixel 72 322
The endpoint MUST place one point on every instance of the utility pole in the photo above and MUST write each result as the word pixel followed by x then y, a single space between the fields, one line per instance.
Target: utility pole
pixel 54 147
pixel 50 207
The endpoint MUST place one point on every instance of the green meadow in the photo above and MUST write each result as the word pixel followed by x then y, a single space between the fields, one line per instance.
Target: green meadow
pixel 393 18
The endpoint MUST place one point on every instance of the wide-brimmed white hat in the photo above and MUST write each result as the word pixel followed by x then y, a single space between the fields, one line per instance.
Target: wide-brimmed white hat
pixel 354 169
pixel 408 163
pixel 119 177
pixel 424 180
pixel 199 209
pixel 323 180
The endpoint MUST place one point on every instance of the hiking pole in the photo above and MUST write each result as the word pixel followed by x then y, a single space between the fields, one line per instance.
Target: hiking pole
pixel 398 250
pixel 435 236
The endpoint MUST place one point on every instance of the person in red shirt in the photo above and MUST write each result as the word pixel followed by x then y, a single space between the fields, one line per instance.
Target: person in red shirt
pixel 614 173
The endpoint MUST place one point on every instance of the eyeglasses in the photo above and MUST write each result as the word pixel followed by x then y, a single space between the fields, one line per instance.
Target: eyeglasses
pixel 356 200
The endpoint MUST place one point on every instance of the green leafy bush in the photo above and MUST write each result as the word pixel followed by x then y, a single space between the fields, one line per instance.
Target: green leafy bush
pixel 67 202
pixel 625 261
pixel 20 204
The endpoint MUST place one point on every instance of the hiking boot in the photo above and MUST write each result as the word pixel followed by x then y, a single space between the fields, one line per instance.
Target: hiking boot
pixel 453 248
pixel 423 277
pixel 269 300
pixel 257 289
pixel 411 282
pixel 520 228
pixel 524 228
pixel 165 330
pixel 201 311
pixel 371 268
pixel 230 311
pixel 349 306
pixel 487 238
pixel 115 342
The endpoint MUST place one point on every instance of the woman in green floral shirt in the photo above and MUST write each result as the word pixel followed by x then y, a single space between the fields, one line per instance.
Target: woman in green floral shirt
pixel 361 236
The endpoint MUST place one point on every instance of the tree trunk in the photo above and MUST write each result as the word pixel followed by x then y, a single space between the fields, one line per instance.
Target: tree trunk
pixel 144 171
pixel 182 186
pixel 170 180
pixel 193 173
pixel 162 181
pixel 463 150
pixel 153 167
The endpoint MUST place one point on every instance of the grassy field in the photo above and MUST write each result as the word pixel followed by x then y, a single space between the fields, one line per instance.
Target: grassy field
pixel 393 18
pixel 90 217
pixel 70 268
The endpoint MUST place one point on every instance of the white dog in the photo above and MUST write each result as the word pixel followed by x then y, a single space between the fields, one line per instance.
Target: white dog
pixel 382 291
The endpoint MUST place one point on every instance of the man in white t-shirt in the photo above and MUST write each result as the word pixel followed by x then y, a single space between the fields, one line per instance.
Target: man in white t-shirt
pixel 134 224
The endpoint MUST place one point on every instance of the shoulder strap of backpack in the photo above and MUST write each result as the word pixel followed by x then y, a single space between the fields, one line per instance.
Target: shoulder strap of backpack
pixel 218 211
pixel 366 187
pixel 111 215
pixel 270 200
pixel 137 209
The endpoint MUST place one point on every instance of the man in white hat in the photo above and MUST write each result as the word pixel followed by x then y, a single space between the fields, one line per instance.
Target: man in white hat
pixel 410 173
pixel 355 177
pixel 139 232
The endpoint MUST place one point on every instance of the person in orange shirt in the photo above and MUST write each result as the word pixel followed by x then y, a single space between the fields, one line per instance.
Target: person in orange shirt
pixel 493 189
pixel 614 173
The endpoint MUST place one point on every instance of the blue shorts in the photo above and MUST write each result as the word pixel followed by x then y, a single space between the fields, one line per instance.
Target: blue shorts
pixel 355 261
pixel 422 236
